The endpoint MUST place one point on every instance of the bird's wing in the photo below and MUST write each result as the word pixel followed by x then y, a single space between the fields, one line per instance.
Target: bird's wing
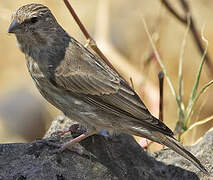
pixel 86 74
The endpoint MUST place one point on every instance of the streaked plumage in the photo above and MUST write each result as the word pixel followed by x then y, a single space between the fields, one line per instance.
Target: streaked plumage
pixel 81 84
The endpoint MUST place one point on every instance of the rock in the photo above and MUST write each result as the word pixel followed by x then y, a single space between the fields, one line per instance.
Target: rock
pixel 115 158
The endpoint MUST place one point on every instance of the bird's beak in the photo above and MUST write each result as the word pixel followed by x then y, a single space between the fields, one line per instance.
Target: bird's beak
pixel 13 26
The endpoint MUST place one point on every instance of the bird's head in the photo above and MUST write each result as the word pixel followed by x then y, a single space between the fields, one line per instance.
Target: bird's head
pixel 33 24
pixel 32 18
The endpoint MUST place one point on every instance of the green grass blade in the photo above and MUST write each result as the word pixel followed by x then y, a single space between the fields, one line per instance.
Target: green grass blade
pixel 193 99
pixel 162 65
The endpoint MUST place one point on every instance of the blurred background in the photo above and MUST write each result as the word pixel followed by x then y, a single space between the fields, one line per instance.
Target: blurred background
pixel 118 29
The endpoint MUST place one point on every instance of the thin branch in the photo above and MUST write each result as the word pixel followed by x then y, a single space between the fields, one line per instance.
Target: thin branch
pixel 90 40
pixel 185 6
pixel 161 79
pixel 74 15
pixel 193 29
pixel 173 11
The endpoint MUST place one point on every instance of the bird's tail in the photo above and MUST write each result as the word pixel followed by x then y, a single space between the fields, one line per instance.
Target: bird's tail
pixel 172 143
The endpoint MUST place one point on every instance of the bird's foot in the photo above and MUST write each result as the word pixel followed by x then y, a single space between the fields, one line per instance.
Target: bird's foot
pixel 106 134
pixel 60 147
pixel 70 145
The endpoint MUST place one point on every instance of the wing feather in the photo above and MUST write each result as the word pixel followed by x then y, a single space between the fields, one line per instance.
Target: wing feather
pixel 87 75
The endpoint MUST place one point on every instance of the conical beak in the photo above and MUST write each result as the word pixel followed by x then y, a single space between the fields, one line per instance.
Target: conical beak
pixel 13 26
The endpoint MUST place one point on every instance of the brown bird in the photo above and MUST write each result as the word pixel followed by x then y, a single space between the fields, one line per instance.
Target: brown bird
pixel 81 84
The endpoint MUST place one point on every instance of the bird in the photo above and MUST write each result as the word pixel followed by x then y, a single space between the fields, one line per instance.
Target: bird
pixel 80 84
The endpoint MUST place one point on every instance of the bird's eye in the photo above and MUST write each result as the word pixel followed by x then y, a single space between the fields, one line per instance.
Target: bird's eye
pixel 33 20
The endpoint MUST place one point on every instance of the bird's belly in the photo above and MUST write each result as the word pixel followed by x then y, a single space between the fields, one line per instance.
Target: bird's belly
pixel 74 107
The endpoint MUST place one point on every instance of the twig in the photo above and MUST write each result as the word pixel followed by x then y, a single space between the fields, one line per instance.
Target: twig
pixel 173 11
pixel 90 41
pixel 193 29
pixel 161 79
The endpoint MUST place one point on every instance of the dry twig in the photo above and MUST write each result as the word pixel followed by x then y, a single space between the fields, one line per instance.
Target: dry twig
pixel 161 78
pixel 193 29
pixel 90 40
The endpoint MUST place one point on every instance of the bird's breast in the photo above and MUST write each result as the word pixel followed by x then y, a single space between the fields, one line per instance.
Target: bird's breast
pixel 63 100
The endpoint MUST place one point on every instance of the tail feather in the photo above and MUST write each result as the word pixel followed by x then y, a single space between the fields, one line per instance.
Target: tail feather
pixel 172 143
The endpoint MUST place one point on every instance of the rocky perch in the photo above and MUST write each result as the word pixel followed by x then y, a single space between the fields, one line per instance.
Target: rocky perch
pixel 105 159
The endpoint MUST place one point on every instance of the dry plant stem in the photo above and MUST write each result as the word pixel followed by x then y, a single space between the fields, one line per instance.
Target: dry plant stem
pixel 90 41
pixel 161 79
pixel 194 31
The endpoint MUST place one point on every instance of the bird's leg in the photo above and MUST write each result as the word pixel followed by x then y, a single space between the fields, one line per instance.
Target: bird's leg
pixel 69 145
